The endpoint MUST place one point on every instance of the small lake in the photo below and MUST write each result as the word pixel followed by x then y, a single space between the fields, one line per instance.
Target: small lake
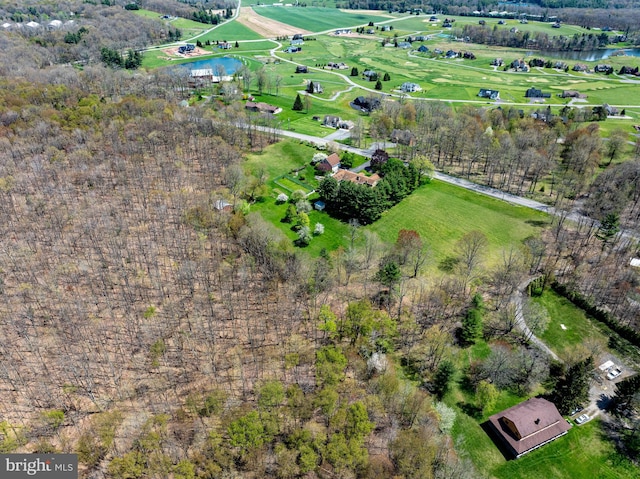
pixel 588 56
pixel 230 65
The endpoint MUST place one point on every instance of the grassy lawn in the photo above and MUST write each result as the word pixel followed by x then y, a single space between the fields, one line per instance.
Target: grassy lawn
pixel 231 31
pixel 579 328
pixel 317 19
pixel 443 213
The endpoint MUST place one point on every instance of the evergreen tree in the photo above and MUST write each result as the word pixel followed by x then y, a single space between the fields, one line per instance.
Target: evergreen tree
pixel 378 85
pixel 572 390
pixel 386 77
pixel 297 104
pixel 237 45
pixel 310 87
pixel 442 378
pixel 354 72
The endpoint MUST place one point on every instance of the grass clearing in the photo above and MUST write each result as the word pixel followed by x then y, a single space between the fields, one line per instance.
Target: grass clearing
pixel 443 213
pixel 579 328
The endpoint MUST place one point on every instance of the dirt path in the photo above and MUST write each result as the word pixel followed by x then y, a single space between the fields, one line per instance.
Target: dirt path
pixel 266 27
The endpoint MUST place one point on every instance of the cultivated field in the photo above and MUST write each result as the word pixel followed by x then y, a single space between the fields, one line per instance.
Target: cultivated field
pixel 266 26
pixel 318 19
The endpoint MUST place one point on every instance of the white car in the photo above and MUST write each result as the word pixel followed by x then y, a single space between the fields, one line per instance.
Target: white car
pixel 582 419
pixel 614 372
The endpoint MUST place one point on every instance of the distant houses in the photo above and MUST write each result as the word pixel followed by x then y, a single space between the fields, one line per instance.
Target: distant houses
pixel 293 49
pixel 366 105
pixel 629 71
pixel 403 137
pixel 302 69
pixel 337 122
pixel 404 45
pixel 490 94
pixel 201 77
pixel 497 62
pixel 370 75
pixel 603 68
pixel 343 31
pixel 409 87
pixel 260 107
pixel 297 42
pixel 533 92
pixel 337 66
pixel 423 49
pixel 315 87
pixel 519 65
pixel 189 47
pixel 572 94
pixel 580 67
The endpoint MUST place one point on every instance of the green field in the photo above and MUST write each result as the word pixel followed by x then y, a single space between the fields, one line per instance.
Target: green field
pixel 443 213
pixel 579 329
pixel 230 31
pixel 316 19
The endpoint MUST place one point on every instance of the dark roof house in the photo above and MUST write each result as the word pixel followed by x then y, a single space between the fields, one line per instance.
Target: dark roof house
pixel 423 49
pixel 533 92
pixel 491 94
pixel 302 69
pixel 529 425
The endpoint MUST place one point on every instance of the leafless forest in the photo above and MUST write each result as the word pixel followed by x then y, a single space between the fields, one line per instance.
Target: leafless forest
pixel 159 337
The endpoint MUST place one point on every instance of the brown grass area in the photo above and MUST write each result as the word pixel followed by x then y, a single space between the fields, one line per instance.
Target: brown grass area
pixel 174 55
pixel 265 26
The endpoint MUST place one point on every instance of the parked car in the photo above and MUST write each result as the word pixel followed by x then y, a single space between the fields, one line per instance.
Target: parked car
pixel 582 419
pixel 576 410
pixel 614 372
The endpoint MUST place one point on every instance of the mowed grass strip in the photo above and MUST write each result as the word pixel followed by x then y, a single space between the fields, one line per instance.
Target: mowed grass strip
pixel 316 19
pixel 443 213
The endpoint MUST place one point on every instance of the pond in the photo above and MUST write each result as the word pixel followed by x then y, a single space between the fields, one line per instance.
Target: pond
pixel 230 65
pixel 588 55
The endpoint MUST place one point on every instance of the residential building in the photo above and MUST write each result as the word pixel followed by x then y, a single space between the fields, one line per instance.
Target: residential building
pixel 491 94
pixel 409 87
pixel 528 425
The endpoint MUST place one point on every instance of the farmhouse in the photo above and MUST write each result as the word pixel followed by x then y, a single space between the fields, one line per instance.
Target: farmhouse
pixel 338 66
pixel 342 32
pixel 404 45
pixel 528 425
pixel 423 49
pixel 330 163
pixel 302 69
pixel 491 94
pixel 451 54
pixel 580 67
pixel 297 36
pixel 225 45
pixel 497 62
pixel 358 178
pixel 386 28
pixel 408 87
pixel 297 41
pixel 293 49
pixel 262 107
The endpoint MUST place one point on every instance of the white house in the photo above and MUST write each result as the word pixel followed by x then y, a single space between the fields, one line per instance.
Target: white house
pixel 409 87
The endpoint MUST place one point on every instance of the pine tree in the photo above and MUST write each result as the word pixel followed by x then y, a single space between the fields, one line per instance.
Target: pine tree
pixel 387 77
pixel 378 85
pixel 354 72
pixel 297 104
pixel 310 87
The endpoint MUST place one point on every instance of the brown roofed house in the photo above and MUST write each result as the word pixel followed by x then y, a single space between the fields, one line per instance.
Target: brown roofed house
pixel 358 178
pixel 330 163
pixel 529 425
